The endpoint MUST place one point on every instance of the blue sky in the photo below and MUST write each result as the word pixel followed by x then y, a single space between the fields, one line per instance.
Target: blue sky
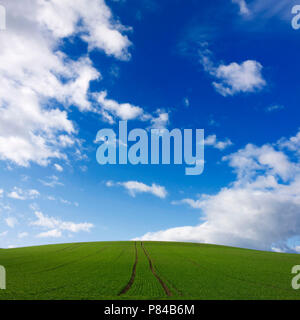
pixel 70 68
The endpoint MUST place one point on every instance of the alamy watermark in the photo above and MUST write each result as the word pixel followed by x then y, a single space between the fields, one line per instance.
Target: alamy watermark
pixel 296 19
pixel 159 152
pixel 2 18
pixel 2 278
pixel 295 281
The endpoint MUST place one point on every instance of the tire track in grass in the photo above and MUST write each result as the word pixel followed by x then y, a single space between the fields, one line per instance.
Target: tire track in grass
pixel 131 280
pixel 166 289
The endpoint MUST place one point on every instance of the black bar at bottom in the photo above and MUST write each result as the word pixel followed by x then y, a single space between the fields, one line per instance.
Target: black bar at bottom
pixel 150 309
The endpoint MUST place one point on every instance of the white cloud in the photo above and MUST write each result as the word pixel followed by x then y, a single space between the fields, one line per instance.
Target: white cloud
pixel 233 78
pixel 34 74
pixel 66 141
pixel 260 209
pixel 248 161
pixel 160 121
pixel 64 201
pixel 229 79
pixel 195 204
pixel 109 183
pixel 236 78
pixel 1 193
pixel 22 235
pixel 291 144
pixel 51 182
pixel 58 167
pixel 50 234
pixel 56 226
pixel 67 202
pixel 3 234
pixel 44 221
pixel 135 187
pixel 111 109
pixel 34 206
pixel 243 6
pixel 19 194
pixel 27 128
pixel 98 27
pixel 278 250
pixel 11 222
pixel 212 141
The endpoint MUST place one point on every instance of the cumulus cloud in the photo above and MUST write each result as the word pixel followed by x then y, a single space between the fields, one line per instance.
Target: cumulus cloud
pixel 56 226
pixel 135 187
pixel 19 194
pixel 1 193
pixel 160 121
pixel 34 73
pixel 228 79
pixel 220 145
pixel 236 78
pixel 111 109
pixel 291 144
pixel 252 159
pixel 97 25
pixel 260 209
pixel 233 78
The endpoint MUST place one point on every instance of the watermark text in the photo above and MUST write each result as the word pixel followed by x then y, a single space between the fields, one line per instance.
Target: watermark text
pixel 2 278
pixel 296 18
pixel 296 279
pixel 188 147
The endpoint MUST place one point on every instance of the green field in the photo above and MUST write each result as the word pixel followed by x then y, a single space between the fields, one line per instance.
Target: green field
pixel 148 270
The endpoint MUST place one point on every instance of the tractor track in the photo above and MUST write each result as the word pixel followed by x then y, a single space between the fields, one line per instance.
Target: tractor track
pixel 166 289
pixel 131 280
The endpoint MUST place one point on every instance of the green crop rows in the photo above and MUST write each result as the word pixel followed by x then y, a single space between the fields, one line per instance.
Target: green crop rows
pixel 152 270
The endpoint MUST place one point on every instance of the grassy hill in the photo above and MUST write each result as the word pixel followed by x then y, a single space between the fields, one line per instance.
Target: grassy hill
pixel 146 270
